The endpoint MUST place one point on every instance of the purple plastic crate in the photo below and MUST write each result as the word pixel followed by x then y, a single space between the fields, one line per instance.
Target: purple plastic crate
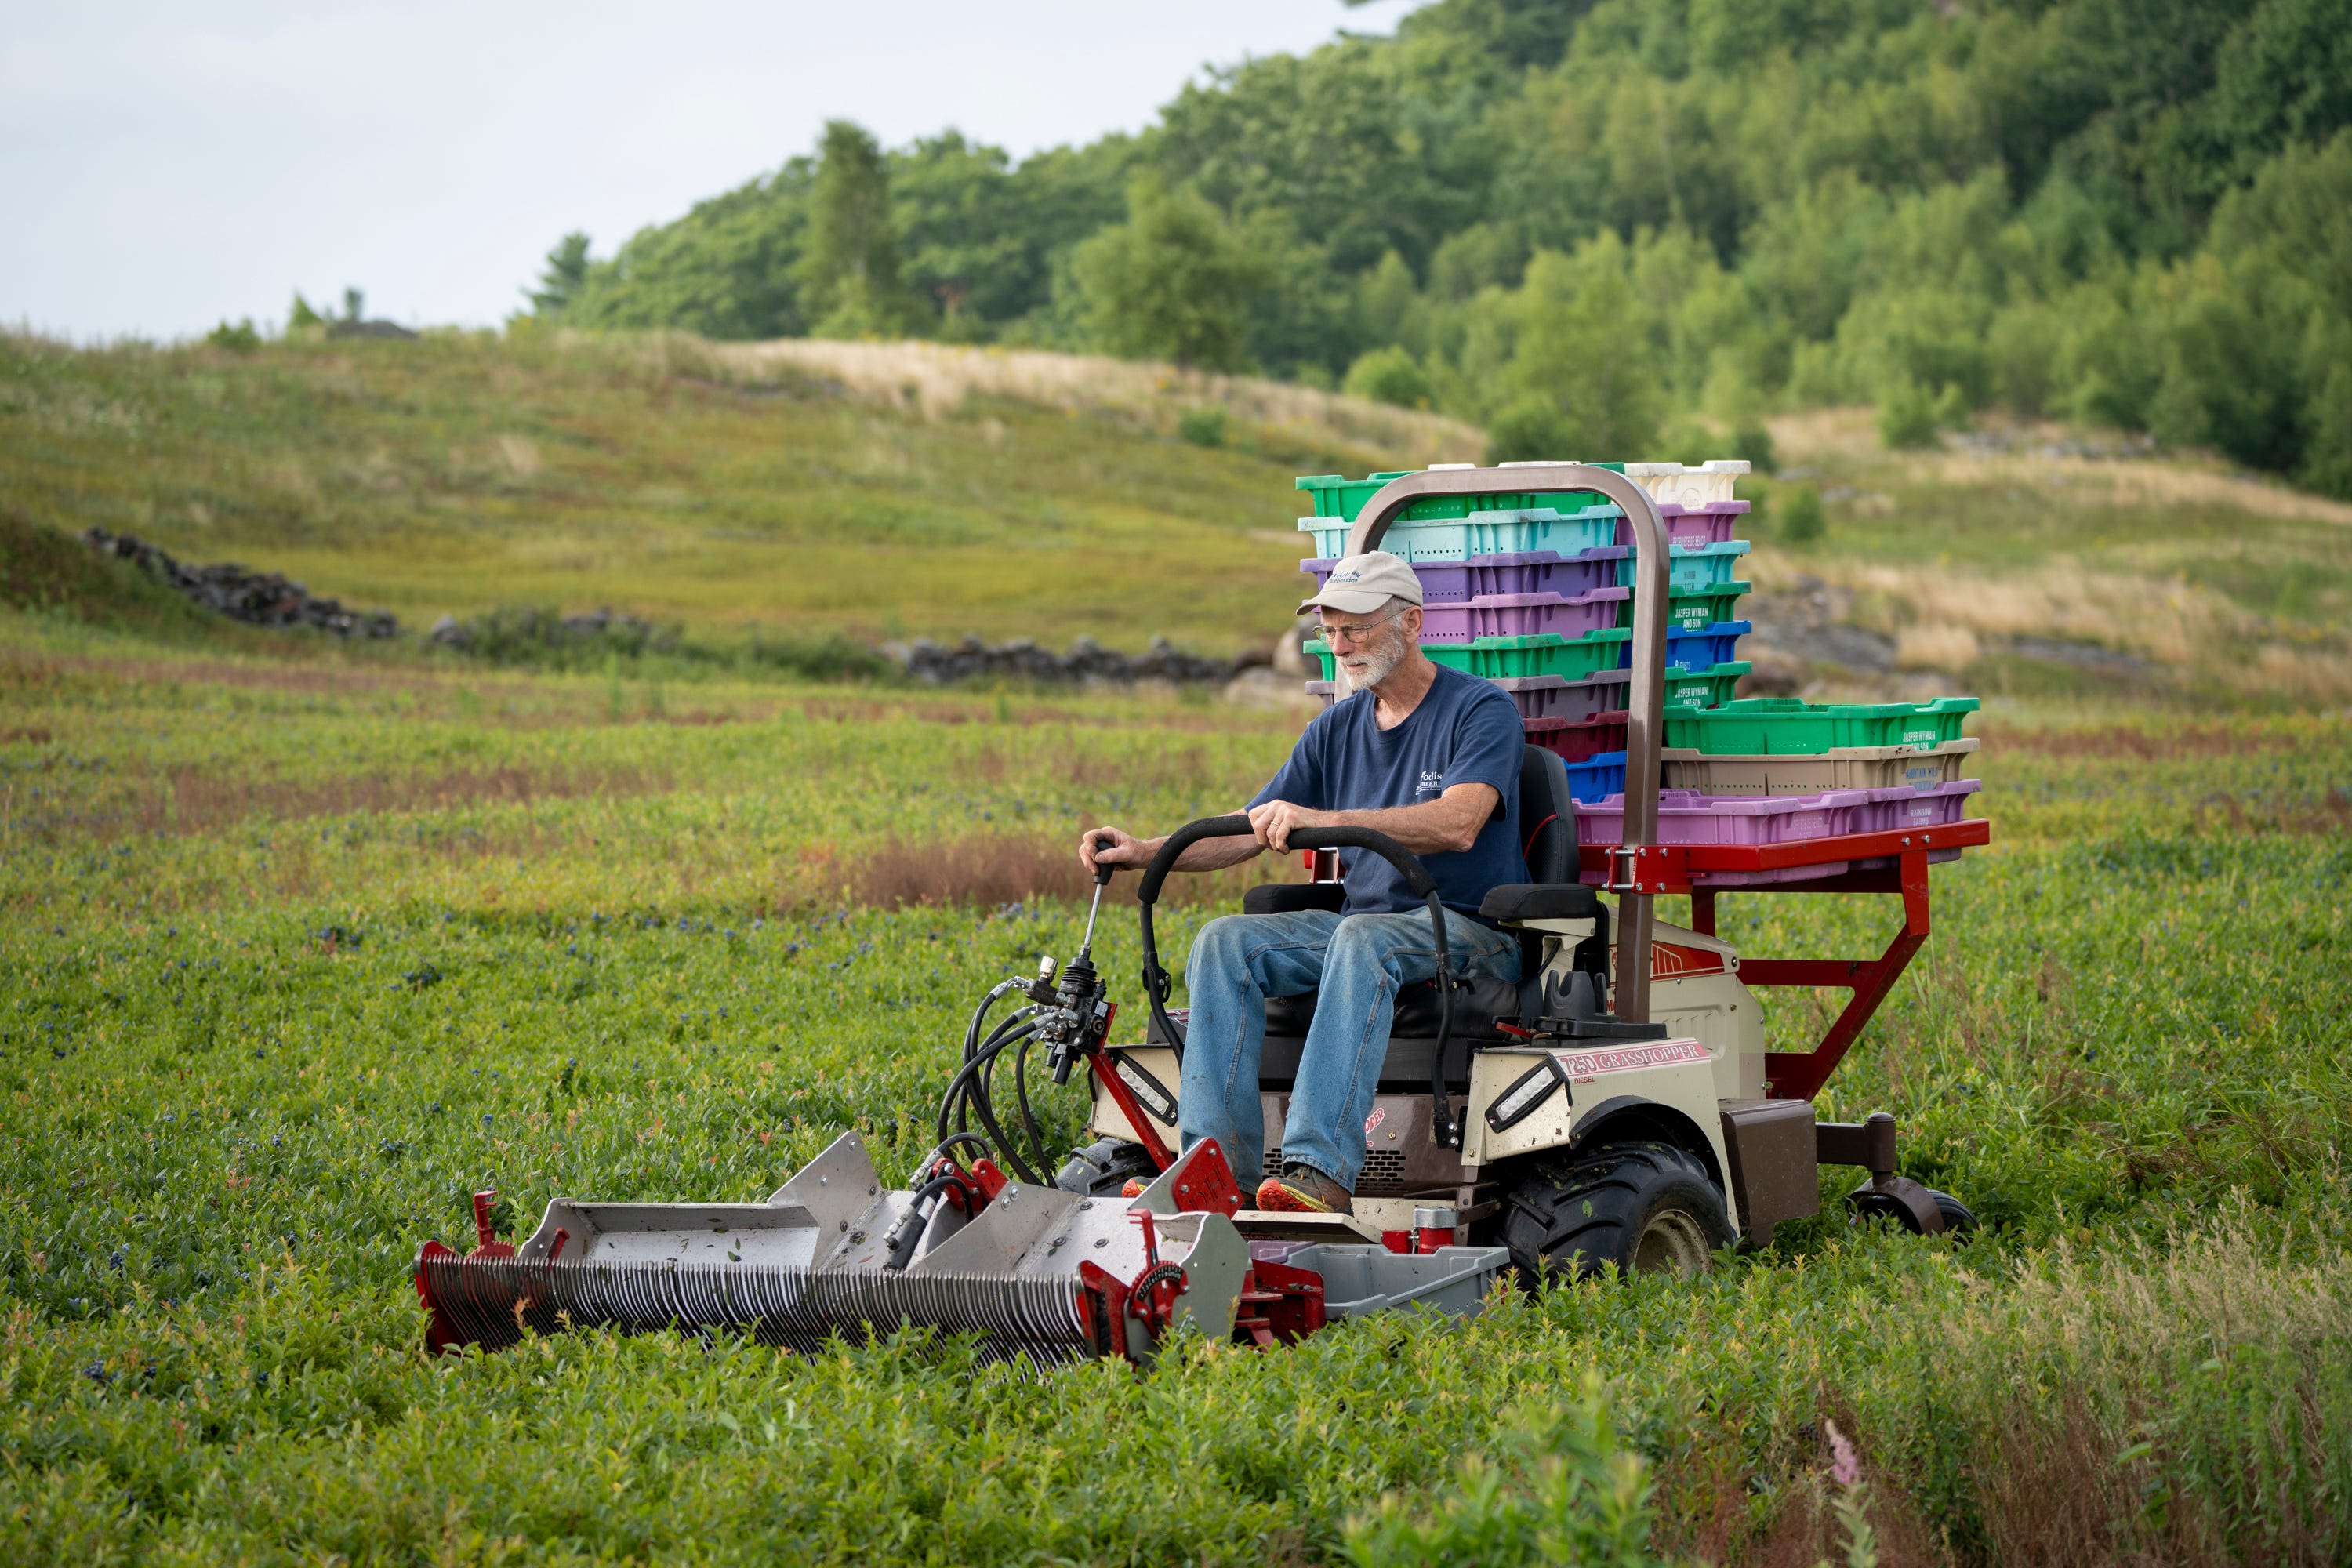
pixel 1901 807
pixel 1685 816
pixel 1527 571
pixel 1709 524
pixel 1522 615
pixel 1557 697
pixel 1571 576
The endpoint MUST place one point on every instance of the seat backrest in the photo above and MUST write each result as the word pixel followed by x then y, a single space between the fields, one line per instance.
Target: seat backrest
pixel 1547 816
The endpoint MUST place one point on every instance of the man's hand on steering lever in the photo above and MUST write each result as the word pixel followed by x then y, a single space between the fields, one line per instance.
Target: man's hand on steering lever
pixel 1132 854
pixel 1277 820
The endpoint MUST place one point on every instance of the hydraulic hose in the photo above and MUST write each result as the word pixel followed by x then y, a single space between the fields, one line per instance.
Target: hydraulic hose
pixel 1158 985
pixel 967 1094
pixel 1036 1134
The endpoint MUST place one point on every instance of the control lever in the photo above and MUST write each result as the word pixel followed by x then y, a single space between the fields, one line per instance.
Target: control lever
pixel 1080 993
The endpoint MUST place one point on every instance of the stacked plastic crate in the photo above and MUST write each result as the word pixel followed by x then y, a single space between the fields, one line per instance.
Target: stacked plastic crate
pixel 1534 591
pixel 1778 771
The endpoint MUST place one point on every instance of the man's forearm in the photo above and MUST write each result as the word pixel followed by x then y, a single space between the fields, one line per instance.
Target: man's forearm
pixel 1206 854
pixel 1438 826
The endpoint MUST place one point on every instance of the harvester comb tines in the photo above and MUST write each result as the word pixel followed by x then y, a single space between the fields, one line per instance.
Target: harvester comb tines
pixel 490 1300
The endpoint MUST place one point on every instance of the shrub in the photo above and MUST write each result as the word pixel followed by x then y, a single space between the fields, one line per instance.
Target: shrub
pixel 239 338
pixel 1750 440
pixel 1801 519
pixel 1529 430
pixel 1906 416
pixel 1202 426
pixel 1389 375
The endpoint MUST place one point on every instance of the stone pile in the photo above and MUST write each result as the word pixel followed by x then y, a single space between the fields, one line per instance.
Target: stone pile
pixel 513 632
pixel 1087 661
pixel 257 598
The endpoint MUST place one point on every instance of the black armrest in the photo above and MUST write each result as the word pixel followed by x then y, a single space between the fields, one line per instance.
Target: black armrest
pixel 1292 898
pixel 1541 902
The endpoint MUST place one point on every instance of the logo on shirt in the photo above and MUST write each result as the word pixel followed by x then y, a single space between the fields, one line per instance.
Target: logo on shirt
pixel 1432 782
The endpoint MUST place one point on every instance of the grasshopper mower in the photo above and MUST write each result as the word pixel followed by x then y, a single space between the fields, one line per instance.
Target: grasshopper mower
pixel 1615 1109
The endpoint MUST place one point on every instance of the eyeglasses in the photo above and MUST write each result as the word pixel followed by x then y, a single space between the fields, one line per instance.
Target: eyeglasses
pixel 1358 632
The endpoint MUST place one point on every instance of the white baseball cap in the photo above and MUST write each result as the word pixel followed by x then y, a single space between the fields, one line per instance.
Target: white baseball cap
pixel 1360 584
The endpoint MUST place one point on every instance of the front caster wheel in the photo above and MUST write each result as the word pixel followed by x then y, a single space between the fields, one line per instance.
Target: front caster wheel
pixel 1883 1201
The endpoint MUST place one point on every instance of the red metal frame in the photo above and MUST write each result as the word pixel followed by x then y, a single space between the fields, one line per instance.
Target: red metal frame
pixel 1140 1119
pixel 1669 869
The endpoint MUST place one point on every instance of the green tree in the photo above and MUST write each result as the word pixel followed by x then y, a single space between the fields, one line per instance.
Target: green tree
pixel 1389 375
pixel 1174 281
pixel 567 271
pixel 849 271
pixel 1583 343
pixel 727 270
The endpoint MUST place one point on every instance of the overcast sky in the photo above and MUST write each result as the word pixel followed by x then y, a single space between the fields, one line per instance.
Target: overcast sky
pixel 163 166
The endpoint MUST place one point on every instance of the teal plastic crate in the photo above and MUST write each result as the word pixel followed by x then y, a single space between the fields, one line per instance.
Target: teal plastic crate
pixel 1502 658
pixel 1478 534
pixel 1692 567
pixel 1709 688
pixel 1334 496
pixel 1786 727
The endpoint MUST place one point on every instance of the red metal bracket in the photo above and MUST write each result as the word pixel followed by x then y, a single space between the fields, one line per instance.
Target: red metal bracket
pixel 1145 1133
pixel 1798 1075
pixel 1206 1185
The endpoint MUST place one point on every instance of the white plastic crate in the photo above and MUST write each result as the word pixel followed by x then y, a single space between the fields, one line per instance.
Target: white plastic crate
pixel 1685 486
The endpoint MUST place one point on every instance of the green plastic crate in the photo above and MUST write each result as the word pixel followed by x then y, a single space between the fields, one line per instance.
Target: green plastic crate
pixel 1787 727
pixel 1551 654
pixel 1336 496
pixel 1709 688
pixel 1502 658
pixel 1695 609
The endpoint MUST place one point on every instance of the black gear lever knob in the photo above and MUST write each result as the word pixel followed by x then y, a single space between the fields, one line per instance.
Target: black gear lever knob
pixel 1103 871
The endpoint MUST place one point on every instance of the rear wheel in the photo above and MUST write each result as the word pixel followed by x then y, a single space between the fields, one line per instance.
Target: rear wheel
pixel 1646 1207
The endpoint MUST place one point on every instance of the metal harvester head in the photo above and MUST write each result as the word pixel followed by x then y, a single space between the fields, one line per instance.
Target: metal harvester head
pixel 1037 1273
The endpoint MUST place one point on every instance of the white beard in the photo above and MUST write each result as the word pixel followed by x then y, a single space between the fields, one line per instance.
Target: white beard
pixel 1380 660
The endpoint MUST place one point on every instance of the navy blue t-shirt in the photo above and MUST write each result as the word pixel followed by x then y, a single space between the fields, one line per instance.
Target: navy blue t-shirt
pixel 1465 731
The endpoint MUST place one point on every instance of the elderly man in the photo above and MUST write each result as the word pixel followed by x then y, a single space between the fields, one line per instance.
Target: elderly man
pixel 1429 756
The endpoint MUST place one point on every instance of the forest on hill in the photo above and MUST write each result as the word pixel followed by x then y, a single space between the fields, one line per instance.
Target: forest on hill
pixel 1585 226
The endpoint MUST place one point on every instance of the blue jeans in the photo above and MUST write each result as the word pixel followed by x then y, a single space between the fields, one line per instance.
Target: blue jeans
pixel 1359 964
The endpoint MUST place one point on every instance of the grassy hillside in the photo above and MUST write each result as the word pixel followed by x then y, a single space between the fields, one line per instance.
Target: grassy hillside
pixel 2014 563
pixel 458 472
pixel 898 489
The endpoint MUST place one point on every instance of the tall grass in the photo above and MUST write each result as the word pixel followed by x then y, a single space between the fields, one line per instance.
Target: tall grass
pixel 942 378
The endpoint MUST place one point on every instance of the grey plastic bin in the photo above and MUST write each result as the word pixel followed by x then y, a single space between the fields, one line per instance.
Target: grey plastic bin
pixel 1451 1279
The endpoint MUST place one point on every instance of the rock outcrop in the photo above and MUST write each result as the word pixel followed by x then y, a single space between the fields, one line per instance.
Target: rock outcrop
pixel 257 598
pixel 1087 661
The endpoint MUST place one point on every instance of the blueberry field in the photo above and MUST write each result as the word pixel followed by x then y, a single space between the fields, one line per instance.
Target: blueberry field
pixel 299 952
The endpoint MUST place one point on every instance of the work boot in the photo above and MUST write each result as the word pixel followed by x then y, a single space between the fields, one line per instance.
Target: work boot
pixel 1303 1189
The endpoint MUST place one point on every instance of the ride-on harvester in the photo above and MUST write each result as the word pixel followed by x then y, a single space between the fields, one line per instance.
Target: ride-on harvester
pixel 1616 1108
